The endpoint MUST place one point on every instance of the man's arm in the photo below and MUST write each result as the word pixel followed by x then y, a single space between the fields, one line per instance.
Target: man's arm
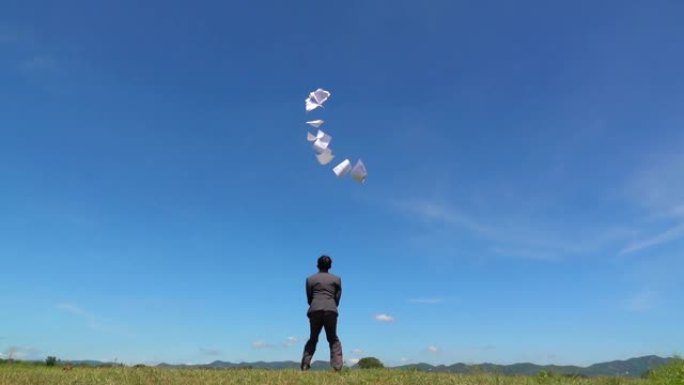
pixel 309 292
pixel 338 295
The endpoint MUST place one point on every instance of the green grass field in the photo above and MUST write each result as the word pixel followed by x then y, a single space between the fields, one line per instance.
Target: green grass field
pixel 34 375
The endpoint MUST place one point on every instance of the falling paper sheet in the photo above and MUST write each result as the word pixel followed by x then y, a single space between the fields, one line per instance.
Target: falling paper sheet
pixel 322 141
pixel 316 99
pixel 343 168
pixel 325 157
pixel 359 172
pixel 315 123
pixel 310 137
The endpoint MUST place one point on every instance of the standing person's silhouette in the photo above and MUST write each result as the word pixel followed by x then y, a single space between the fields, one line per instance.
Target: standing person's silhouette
pixel 323 293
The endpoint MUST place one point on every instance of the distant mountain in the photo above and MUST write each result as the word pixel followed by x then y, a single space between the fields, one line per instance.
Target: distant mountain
pixel 632 367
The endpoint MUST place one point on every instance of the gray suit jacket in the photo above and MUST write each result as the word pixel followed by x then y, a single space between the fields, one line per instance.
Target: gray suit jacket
pixel 323 292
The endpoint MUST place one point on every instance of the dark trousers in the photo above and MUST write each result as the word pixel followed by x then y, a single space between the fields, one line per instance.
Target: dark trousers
pixel 317 321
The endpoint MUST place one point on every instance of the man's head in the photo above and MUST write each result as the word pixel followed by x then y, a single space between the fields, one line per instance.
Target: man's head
pixel 324 263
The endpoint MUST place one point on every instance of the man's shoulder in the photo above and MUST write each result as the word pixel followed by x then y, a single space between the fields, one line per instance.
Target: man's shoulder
pixel 323 276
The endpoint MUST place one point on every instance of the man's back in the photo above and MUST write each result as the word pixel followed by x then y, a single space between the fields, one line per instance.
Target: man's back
pixel 323 291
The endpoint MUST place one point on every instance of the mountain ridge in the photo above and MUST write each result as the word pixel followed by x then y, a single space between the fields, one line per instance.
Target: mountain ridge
pixel 632 367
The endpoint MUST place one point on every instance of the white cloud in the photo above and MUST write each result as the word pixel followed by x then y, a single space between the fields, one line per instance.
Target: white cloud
pixel 514 236
pixel 357 352
pixel 291 341
pixel 384 317
pixel 672 234
pixel 210 352
pixel 39 63
pixel 353 361
pixel 427 301
pixel 403 360
pixel 433 349
pixel 21 352
pixel 92 321
pixel 432 211
pixel 261 345
pixel 642 301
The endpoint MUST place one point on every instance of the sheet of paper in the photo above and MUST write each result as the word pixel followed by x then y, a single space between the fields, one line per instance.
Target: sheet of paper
pixel 310 137
pixel 322 141
pixel 320 95
pixel 316 99
pixel 343 168
pixel 315 123
pixel 325 157
pixel 359 172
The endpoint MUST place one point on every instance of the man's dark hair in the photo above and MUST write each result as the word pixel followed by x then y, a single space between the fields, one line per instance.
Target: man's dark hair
pixel 324 263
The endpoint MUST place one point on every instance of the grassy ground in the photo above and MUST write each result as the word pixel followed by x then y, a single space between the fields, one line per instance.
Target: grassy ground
pixel 41 375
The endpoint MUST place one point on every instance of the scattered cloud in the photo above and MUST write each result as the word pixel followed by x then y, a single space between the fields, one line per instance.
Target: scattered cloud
pixel 21 352
pixel 262 345
pixel 353 361
pixel 210 352
pixel 433 349
pixel 672 234
pixel 513 236
pixel 39 63
pixel 384 318
pixel 92 321
pixel 11 34
pixel 404 360
pixel 432 211
pixel 426 301
pixel 643 301
pixel 291 341
pixel 357 352
pixel 658 187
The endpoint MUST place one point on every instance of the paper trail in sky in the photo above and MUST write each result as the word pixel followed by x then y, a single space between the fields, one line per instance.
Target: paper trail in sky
pixel 359 172
pixel 325 157
pixel 343 168
pixel 315 123
pixel 316 99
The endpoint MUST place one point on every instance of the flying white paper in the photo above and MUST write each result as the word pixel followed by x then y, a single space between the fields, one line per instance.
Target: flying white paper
pixel 316 99
pixel 322 141
pixel 325 157
pixel 343 168
pixel 310 137
pixel 315 123
pixel 359 172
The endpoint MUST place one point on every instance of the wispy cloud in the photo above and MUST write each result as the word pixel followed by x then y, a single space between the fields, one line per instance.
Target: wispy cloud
pixel 439 212
pixel 433 349
pixel 513 237
pixel 426 301
pixel 11 34
pixel 353 361
pixel 21 352
pixel 658 187
pixel 93 321
pixel 643 301
pixel 672 234
pixel 384 317
pixel 357 352
pixel 262 345
pixel 290 341
pixel 39 63
pixel 210 352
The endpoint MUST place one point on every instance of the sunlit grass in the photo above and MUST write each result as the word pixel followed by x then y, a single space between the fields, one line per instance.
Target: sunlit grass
pixel 30 375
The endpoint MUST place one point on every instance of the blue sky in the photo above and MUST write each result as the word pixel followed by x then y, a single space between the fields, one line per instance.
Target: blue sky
pixel 159 201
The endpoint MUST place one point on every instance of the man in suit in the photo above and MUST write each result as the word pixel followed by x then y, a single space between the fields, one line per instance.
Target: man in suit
pixel 323 293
